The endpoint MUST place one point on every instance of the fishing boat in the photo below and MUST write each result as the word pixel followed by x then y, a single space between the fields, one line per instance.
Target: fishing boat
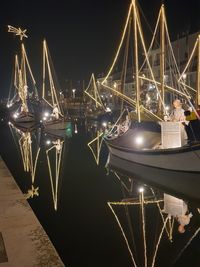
pixel 155 142
pixel 21 100
pixel 53 117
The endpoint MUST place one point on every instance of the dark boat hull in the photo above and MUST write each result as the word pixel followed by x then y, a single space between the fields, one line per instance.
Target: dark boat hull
pixel 185 159
pixel 150 153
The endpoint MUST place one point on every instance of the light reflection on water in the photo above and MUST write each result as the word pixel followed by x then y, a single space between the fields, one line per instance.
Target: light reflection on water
pixel 93 215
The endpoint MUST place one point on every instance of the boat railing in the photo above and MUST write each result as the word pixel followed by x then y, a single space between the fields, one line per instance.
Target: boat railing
pixel 118 130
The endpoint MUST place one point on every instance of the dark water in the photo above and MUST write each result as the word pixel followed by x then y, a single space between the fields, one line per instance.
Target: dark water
pixel 83 228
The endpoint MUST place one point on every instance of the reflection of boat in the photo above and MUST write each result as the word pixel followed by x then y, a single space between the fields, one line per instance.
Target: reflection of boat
pixel 54 153
pixel 28 144
pixel 157 144
pixel 150 222
pixel 21 102
pixel 182 183
pixel 53 117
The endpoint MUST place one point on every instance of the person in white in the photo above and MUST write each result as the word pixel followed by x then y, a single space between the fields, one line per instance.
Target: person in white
pixel 178 112
pixel 55 112
pixel 178 115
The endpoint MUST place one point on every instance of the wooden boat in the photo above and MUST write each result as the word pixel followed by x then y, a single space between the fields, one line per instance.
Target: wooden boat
pixel 53 118
pixel 158 144
pixel 25 91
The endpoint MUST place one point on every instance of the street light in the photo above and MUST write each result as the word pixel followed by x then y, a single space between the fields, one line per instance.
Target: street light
pixel 73 93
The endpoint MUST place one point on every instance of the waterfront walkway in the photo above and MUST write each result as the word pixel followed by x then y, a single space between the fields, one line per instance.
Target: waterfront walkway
pixel 23 241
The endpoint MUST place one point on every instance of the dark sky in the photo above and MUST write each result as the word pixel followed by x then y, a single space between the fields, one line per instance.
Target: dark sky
pixel 82 35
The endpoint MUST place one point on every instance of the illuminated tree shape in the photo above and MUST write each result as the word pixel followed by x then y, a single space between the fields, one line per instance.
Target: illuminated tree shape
pixel 93 92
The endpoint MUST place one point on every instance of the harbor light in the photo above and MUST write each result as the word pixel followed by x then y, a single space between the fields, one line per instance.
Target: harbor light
pixel 75 129
pixel 141 189
pixel 48 142
pixel 167 108
pixel 184 76
pixel 108 109
pixel 46 114
pixel 104 124
pixel 73 93
pixel 139 140
pixel 15 115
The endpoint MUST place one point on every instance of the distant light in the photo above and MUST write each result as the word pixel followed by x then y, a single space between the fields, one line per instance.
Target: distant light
pixel 15 115
pixel 110 95
pixel 104 124
pixel 46 114
pixel 184 76
pixel 44 118
pixel 167 108
pixel 115 85
pixel 139 140
pixel 101 96
pixel 75 129
pixel 141 189
pixel 9 123
pixel 48 142
pixel 108 109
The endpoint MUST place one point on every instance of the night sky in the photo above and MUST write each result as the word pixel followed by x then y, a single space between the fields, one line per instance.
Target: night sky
pixel 82 35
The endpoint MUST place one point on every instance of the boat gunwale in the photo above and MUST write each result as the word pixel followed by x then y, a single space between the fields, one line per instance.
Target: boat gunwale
pixel 150 166
pixel 186 148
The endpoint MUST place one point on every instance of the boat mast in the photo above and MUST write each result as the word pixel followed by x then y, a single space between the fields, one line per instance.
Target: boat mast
pixel 162 60
pixel 198 73
pixel 137 89
pixel 51 82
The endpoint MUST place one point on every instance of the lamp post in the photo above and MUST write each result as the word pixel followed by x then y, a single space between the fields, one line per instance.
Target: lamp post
pixel 73 93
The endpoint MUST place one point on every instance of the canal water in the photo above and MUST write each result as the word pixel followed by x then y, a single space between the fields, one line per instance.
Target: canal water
pixel 69 193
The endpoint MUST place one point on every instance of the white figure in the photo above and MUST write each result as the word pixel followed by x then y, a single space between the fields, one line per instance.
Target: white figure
pixel 178 112
pixel 58 145
pixel 55 112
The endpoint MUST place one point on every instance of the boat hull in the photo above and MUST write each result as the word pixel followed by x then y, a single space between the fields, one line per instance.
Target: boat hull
pixel 150 151
pixel 24 118
pixel 187 159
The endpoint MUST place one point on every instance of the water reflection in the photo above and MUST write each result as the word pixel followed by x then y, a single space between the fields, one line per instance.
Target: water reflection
pixel 39 149
pixel 157 227
pixel 28 144
pixel 92 207
pixel 54 156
